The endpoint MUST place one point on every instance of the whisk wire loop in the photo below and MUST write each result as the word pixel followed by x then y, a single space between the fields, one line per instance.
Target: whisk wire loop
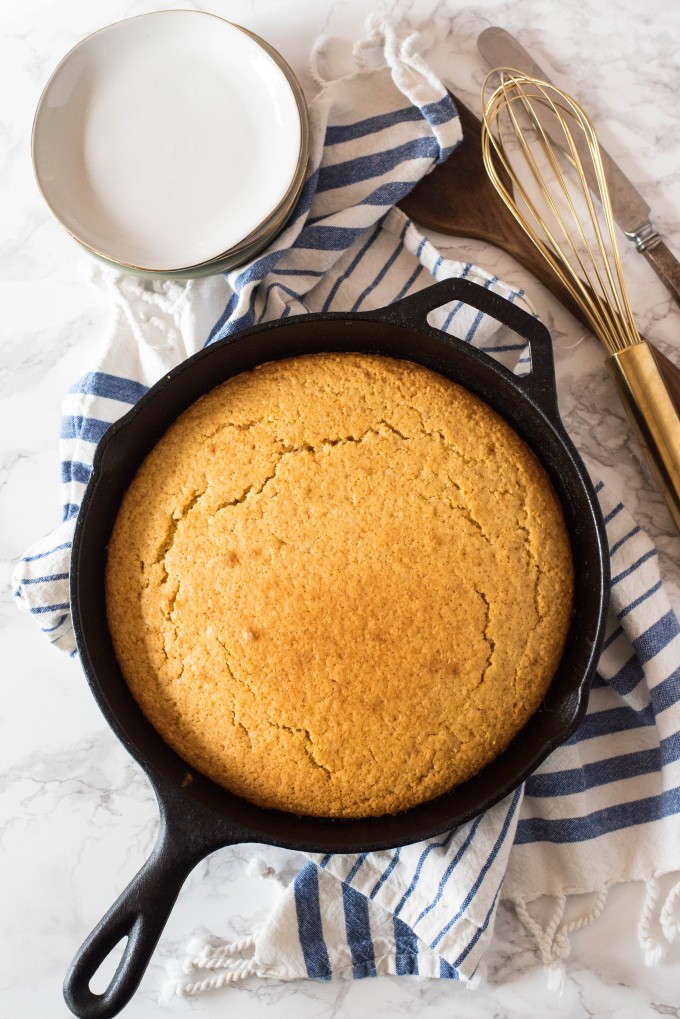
pixel 585 259
pixel 545 241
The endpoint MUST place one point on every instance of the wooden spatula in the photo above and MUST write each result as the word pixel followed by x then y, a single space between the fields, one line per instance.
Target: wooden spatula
pixel 458 198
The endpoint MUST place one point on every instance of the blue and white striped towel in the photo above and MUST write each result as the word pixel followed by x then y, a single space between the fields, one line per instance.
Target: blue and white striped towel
pixel 603 808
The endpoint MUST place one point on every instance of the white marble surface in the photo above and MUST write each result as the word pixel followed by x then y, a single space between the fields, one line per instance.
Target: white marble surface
pixel 76 816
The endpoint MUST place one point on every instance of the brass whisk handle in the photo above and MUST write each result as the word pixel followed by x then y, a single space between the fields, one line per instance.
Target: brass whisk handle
pixel 653 417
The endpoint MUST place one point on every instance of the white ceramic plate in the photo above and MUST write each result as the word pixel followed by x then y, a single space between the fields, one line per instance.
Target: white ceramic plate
pixel 163 141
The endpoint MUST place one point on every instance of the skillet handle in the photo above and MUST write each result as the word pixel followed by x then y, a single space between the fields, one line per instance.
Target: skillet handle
pixel 539 385
pixel 140 914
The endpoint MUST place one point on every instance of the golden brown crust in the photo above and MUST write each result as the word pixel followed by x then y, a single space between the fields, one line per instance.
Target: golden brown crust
pixel 339 585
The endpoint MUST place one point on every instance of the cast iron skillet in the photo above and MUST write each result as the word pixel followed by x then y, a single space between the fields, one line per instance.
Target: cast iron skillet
pixel 197 817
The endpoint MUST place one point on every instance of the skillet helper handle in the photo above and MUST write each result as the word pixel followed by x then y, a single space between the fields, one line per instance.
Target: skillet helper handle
pixel 140 914
pixel 539 385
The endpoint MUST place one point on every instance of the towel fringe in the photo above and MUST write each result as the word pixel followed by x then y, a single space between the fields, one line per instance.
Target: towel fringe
pixel 554 944
pixel 318 50
pixel 400 52
pixel 553 941
pixel 235 961
pixel 204 955
pixel 670 928
pixel 259 867
pixel 653 949
pixel 171 299
pixel 375 36
pixel 377 28
pixel 174 989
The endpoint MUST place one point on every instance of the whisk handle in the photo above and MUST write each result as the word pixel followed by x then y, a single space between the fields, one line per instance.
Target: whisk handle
pixel 653 415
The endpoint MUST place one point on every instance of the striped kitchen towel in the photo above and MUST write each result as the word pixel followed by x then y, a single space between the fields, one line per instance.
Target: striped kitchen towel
pixel 604 808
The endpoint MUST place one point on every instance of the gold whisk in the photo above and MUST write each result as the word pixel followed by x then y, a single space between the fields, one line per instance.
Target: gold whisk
pixel 575 233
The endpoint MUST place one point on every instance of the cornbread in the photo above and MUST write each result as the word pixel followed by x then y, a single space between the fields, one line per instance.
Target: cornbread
pixel 339 585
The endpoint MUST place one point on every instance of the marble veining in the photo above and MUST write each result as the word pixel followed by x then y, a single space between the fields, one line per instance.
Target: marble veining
pixel 77 817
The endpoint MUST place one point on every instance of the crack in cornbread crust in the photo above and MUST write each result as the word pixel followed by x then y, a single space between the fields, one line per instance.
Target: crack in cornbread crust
pixel 339 585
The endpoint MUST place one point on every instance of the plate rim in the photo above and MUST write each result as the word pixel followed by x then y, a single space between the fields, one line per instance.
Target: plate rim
pixel 275 213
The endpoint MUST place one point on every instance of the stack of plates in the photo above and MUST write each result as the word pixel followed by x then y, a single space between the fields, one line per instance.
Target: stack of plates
pixel 172 144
